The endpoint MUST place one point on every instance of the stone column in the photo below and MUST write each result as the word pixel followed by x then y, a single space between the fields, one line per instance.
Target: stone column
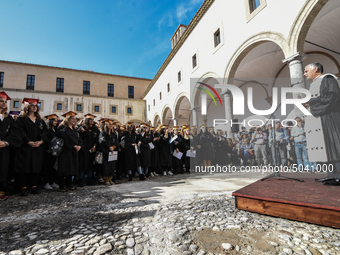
pixel 194 117
pixel 175 121
pixel 228 109
pixel 296 68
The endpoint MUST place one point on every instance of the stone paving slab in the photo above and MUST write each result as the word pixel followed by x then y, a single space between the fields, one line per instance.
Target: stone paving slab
pixel 164 215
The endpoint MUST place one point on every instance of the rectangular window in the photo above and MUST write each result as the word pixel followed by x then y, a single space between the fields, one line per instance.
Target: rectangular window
pixel 86 87
pixel 194 61
pixel 39 105
pixel 59 106
pixel 129 110
pixel 78 107
pixel 168 87
pixel 113 109
pixel 1 79
pixel 96 108
pixel 217 37
pixel 110 90
pixel 16 104
pixel 148 107
pixel 160 95
pixel 30 82
pixel 254 4
pixel 131 92
pixel 60 85
pixel 179 76
pixel 154 102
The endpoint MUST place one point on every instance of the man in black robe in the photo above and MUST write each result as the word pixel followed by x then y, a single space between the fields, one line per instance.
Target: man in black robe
pixel 325 103
pixel 9 138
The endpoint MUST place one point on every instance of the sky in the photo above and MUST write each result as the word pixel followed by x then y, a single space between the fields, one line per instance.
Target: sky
pixel 123 37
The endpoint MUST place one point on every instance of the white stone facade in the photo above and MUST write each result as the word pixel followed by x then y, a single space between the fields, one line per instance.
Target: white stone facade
pixel 264 49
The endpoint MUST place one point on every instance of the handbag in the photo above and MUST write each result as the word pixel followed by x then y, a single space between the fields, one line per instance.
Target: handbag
pixel 99 157
pixel 55 146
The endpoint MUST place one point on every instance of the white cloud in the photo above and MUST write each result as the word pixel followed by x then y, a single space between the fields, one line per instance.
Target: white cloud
pixel 180 13
pixel 166 20
pixel 183 9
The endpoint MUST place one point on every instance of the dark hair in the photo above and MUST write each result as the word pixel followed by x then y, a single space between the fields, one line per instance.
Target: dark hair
pixel 50 123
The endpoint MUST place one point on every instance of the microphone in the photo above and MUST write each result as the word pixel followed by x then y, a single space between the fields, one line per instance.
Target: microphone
pixel 291 85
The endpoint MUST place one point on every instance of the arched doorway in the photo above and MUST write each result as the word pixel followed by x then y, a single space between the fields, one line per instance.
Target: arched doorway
pixel 255 65
pixel 213 111
pixel 182 109
pixel 167 116
pixel 156 120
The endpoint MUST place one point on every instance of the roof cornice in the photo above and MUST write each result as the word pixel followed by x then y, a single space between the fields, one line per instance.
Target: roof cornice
pixel 70 69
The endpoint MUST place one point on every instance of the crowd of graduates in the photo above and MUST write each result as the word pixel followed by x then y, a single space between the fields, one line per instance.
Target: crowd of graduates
pixel 103 152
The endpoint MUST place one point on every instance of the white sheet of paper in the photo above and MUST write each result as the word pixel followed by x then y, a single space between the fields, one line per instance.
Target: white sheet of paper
pixel 191 154
pixel 178 155
pixel 172 139
pixel 151 146
pixel 113 156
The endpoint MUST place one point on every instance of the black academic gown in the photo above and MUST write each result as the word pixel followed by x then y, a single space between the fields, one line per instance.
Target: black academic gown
pixel 30 159
pixel 155 159
pixel 105 142
pixel 89 138
pixel 166 151
pixel 327 105
pixel 207 149
pixel 49 159
pixel 131 158
pixel 145 156
pixel 68 158
pixel 186 145
pixel 10 133
pixel 177 144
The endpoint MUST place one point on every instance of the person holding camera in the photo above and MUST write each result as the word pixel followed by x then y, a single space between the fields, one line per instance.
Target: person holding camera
pixel 246 151
pixel 260 140
pixel 279 138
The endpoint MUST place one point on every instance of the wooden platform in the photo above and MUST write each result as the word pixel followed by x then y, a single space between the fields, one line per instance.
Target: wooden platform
pixel 307 201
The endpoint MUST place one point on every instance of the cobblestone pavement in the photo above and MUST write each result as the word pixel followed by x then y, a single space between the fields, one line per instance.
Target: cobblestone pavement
pixel 164 215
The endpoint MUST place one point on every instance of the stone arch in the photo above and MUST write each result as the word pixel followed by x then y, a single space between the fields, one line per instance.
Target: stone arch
pixel 196 92
pixel 156 118
pixel 250 44
pixel 165 110
pixel 302 23
pixel 182 108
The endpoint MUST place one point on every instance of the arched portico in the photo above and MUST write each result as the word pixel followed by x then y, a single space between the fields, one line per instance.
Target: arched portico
pixel 156 120
pixel 167 116
pixel 182 110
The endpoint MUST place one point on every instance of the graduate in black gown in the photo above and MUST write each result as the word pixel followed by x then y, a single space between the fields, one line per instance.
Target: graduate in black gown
pixel 50 172
pixel 89 134
pixel 121 156
pixel 129 143
pixel 166 150
pixel 31 154
pixel 188 144
pixel 108 144
pixel 195 161
pixel 145 156
pixel 206 142
pixel 176 143
pixel 68 159
pixel 119 169
pixel 155 162
pixel 9 137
